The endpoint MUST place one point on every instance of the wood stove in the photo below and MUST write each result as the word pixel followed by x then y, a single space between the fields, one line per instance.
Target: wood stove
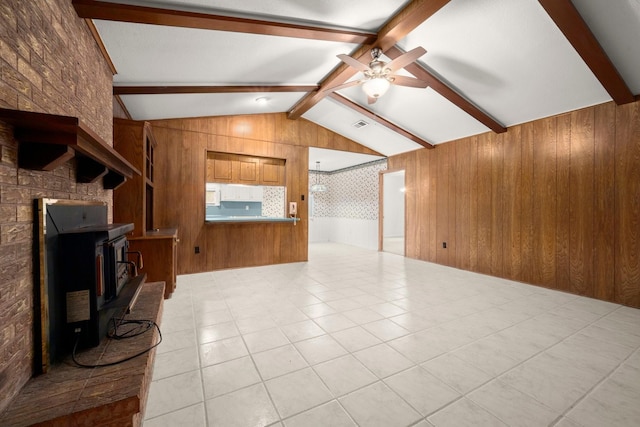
pixel 94 269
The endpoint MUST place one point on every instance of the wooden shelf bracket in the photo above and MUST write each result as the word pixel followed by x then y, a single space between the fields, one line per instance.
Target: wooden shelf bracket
pixel 46 141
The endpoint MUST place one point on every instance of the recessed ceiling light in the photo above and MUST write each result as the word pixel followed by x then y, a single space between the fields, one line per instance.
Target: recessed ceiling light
pixel 262 100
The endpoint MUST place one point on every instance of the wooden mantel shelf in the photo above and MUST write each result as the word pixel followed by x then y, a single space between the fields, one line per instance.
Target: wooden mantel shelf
pixel 46 141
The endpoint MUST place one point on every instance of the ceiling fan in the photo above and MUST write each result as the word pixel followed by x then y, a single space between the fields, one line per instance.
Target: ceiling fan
pixel 379 75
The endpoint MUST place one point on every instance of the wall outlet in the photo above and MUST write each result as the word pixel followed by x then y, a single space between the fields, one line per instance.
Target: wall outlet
pixel 197 249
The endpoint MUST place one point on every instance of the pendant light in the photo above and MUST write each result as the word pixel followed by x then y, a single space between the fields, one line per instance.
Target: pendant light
pixel 317 187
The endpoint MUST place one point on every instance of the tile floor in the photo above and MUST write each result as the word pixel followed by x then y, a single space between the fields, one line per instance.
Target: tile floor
pixel 357 337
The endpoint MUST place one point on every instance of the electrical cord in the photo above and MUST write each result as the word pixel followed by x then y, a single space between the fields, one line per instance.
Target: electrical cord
pixel 143 326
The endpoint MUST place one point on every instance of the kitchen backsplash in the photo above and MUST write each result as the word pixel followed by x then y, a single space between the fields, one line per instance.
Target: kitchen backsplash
pixel 273 201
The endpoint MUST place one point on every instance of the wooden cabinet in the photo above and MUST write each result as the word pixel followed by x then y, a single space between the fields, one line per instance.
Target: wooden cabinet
pixel 159 250
pixel 248 171
pixel 239 169
pixel 219 167
pixel 133 202
pixel 272 172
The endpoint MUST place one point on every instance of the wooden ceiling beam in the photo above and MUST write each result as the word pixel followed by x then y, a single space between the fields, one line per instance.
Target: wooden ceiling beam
pixel 159 90
pixel 405 21
pixel 451 95
pixel 379 119
pixel 92 9
pixel 575 29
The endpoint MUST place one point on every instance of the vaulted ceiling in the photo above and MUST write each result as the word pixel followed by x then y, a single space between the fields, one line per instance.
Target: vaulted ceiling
pixel 489 64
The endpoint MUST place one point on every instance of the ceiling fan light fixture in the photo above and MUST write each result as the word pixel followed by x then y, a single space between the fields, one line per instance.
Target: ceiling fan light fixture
pixel 376 87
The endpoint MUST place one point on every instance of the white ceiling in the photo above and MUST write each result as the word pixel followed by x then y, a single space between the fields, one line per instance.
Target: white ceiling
pixel 506 56
pixel 333 160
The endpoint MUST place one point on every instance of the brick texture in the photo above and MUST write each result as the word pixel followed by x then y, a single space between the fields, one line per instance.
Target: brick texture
pixel 49 63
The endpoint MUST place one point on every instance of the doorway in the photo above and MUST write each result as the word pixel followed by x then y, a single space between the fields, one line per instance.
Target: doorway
pixel 392 201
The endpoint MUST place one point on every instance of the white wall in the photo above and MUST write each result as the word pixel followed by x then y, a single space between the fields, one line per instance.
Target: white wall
pixel 348 212
pixel 319 229
pixel 356 232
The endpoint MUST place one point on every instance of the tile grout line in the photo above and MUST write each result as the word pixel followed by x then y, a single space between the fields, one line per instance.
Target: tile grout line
pixel 370 291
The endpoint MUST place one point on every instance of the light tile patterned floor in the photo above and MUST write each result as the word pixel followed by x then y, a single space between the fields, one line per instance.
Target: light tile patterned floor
pixel 357 337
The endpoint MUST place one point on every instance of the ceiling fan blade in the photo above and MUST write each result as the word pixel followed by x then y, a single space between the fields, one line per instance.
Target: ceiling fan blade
pixel 352 62
pixel 408 81
pixel 371 100
pixel 406 58
pixel 342 86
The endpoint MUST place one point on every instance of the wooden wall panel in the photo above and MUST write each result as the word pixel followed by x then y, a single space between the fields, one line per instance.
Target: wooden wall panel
pixel 484 203
pixel 413 213
pixel 473 203
pixel 627 205
pixel 179 196
pixel 563 199
pixel 555 202
pixel 544 202
pixel 526 221
pixel 604 202
pixel 512 205
pixel 165 208
pixel 452 246
pixel 432 213
pixel 463 205
pixel 581 206
pixel 497 208
pixel 442 203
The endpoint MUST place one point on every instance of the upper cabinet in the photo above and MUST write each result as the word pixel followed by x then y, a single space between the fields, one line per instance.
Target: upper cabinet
pixel 272 171
pixel 248 170
pixel 133 201
pixel 239 169
pixel 219 167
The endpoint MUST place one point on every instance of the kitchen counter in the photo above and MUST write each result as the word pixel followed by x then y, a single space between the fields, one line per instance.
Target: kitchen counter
pixel 253 219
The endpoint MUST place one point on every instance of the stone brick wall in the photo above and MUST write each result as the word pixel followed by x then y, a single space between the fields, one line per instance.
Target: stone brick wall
pixel 49 63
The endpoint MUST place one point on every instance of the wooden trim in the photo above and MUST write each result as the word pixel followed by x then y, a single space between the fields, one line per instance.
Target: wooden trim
pixel 31 127
pixel 103 49
pixel 155 90
pixel 405 21
pixel 575 29
pixel 338 76
pixel 124 107
pixel 381 120
pixel 451 95
pixel 179 18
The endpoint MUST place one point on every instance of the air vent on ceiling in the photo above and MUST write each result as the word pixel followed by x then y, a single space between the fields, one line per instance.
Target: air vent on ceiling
pixel 360 124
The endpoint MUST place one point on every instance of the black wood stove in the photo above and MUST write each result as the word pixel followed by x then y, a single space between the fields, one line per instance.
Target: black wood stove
pixel 97 283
